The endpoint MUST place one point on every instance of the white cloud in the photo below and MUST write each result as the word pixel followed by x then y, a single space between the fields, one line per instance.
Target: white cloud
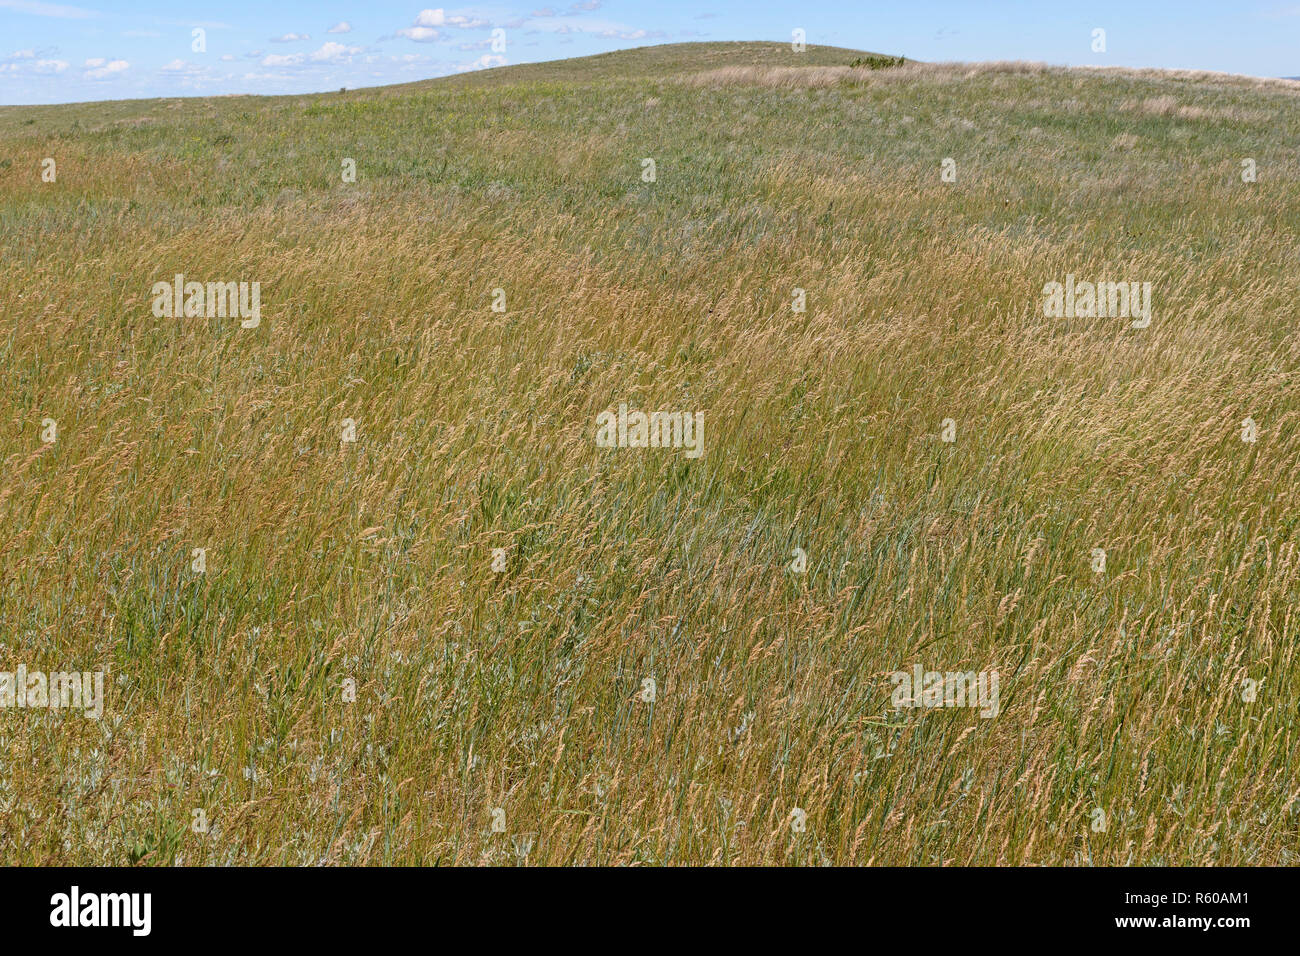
pixel 422 30
pixel 47 9
pixel 98 69
pixel 334 53
pixel 419 34
pixel 24 61
pixel 487 61
pixel 329 52
pixel 183 68
pixel 227 57
pixel 586 6
pixel 342 27
pixel 291 38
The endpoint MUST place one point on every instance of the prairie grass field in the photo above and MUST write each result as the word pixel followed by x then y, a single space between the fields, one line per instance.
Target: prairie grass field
pixel 457 612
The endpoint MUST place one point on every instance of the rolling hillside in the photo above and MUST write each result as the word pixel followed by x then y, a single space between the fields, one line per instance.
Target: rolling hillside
pixel 359 572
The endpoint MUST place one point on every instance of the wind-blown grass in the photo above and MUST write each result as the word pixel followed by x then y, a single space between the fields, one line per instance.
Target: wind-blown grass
pixel 372 561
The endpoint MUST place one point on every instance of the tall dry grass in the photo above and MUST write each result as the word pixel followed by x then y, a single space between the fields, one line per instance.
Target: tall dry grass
pixel 372 561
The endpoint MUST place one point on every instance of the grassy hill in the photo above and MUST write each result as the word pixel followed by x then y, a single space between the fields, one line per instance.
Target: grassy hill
pixel 372 563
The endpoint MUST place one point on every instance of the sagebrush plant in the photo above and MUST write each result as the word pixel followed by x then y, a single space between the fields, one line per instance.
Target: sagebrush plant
pixel 768 736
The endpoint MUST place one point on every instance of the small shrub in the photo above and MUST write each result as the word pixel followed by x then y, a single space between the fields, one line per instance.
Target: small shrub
pixel 878 62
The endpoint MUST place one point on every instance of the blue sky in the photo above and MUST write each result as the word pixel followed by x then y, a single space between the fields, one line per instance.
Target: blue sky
pixel 107 49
